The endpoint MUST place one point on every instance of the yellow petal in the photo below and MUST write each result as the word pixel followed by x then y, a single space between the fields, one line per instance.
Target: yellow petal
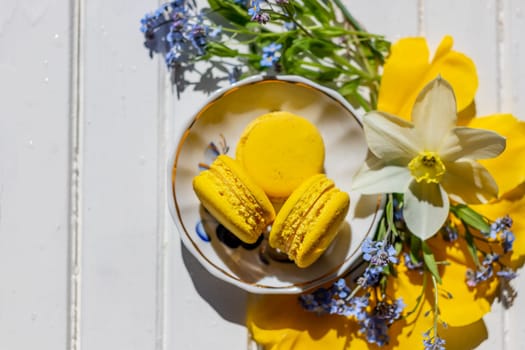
pixel 508 169
pixel 456 68
pixel 456 339
pixel 475 302
pixel 409 63
pixel 280 323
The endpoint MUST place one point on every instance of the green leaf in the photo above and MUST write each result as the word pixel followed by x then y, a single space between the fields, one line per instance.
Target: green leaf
pixel 230 11
pixel 320 12
pixel 471 246
pixel 415 249
pixel 381 230
pixel 329 31
pixel 390 215
pixel 220 50
pixel 398 245
pixel 430 261
pixel 470 217
pixel 350 87
pixel 316 47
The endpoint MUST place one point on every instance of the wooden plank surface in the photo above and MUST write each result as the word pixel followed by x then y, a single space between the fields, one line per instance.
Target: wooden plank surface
pixel 34 174
pixel 91 128
pixel 119 179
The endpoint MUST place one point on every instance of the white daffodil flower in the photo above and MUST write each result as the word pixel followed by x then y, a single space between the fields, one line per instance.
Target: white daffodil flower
pixel 428 160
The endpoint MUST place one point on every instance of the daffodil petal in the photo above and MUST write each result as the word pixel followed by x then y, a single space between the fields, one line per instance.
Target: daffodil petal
pixel 376 177
pixel 474 302
pixel 409 63
pixel 456 68
pixel 455 336
pixel 389 137
pixel 434 113
pixel 278 322
pixel 425 209
pixel 508 169
pixel 472 144
pixel 469 182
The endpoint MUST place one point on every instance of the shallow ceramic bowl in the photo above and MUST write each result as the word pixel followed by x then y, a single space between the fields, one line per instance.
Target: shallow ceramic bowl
pixel 216 128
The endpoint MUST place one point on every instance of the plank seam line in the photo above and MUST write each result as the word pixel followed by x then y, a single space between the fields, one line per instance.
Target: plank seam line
pixel 500 76
pixel 421 17
pixel 162 216
pixel 500 42
pixel 75 215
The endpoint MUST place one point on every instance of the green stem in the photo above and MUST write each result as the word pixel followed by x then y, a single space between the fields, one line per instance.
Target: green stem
pixel 436 306
pixel 470 244
pixel 348 16
pixel 363 60
pixel 419 298
pixel 290 17
pixel 354 292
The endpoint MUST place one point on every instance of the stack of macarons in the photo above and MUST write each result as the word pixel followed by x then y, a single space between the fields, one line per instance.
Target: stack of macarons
pixel 279 164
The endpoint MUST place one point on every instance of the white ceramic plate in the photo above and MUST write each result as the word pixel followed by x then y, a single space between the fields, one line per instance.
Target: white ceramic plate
pixel 221 121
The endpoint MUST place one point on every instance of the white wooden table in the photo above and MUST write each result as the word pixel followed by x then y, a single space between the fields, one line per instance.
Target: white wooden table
pixel 89 257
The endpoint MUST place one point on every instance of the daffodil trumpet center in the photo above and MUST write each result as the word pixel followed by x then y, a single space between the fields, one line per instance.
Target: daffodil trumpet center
pixel 427 166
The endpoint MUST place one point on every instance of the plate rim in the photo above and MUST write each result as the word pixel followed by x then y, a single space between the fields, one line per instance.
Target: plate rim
pixel 211 267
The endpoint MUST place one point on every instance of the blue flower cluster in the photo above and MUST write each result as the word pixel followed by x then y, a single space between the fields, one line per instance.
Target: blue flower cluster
pixel 256 13
pixel 271 55
pixel 335 300
pixel 411 265
pixel 338 300
pixel 450 233
pixel 433 343
pixel 500 229
pixel 482 273
pixel 507 274
pixel 379 253
pixel 177 30
pixel 486 270
pixel 375 326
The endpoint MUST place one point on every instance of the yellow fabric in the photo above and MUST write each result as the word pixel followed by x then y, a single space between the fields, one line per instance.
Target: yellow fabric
pixel 279 323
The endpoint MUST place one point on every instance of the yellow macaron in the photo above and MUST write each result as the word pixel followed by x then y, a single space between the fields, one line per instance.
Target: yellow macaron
pixel 309 220
pixel 233 198
pixel 279 150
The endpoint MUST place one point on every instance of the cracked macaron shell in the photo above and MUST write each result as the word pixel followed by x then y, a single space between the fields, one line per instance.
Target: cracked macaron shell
pixel 309 220
pixel 232 197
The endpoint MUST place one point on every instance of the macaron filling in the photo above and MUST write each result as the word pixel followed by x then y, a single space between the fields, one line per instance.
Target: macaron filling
pixel 232 198
pixel 309 220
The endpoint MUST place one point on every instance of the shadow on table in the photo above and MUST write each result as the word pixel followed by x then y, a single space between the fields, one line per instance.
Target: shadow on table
pixel 228 300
